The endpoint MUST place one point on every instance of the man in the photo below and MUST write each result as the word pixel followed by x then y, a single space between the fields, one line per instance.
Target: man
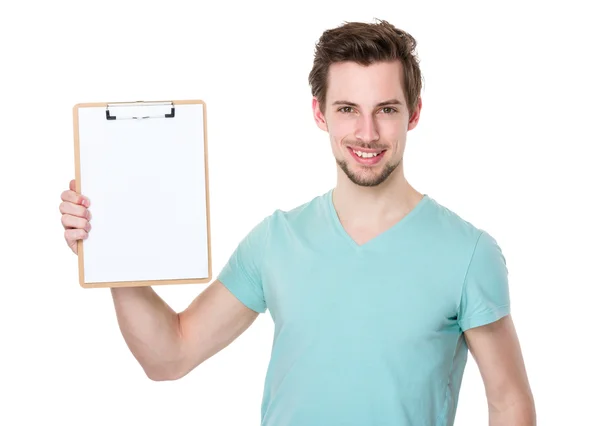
pixel 377 291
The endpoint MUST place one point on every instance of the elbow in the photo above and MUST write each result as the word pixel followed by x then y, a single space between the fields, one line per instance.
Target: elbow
pixel 164 373
pixel 171 367
pixel 158 377
pixel 171 360
pixel 162 376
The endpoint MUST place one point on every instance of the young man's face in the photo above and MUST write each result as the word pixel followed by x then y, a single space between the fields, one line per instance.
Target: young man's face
pixel 367 119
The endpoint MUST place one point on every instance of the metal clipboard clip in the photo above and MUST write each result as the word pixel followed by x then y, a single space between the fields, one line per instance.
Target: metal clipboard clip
pixel 140 110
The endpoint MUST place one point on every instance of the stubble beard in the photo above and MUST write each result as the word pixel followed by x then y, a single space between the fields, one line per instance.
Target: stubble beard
pixel 357 179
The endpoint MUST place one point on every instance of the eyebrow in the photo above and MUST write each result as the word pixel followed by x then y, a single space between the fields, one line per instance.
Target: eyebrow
pixel 388 102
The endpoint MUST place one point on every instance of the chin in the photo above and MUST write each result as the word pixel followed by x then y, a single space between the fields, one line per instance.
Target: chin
pixel 367 176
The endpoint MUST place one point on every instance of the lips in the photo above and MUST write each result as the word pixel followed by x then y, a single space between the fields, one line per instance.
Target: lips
pixel 369 157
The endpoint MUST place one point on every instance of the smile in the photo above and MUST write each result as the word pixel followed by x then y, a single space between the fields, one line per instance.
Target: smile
pixel 366 154
pixel 366 157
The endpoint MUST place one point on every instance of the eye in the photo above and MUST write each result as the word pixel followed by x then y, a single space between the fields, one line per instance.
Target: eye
pixel 389 110
pixel 345 109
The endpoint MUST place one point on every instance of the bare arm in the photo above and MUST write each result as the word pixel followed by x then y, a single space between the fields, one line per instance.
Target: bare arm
pixel 168 345
pixel 496 350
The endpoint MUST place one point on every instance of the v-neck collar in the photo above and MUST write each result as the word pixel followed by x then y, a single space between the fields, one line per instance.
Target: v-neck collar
pixel 394 228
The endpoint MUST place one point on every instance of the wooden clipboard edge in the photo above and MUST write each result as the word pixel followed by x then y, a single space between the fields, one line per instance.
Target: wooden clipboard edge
pixel 78 185
pixel 80 254
pixel 147 283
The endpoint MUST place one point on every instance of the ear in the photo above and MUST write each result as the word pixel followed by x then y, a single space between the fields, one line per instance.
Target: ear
pixel 414 119
pixel 318 115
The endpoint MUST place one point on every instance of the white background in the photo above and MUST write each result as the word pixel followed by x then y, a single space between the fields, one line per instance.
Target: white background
pixel 507 138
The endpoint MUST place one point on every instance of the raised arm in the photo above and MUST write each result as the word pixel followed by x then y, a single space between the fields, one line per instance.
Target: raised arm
pixel 167 344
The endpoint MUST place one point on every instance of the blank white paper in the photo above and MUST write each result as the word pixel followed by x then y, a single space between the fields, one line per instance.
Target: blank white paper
pixel 146 182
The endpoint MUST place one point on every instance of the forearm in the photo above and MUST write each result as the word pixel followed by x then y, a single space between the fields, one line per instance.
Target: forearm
pixel 514 412
pixel 151 330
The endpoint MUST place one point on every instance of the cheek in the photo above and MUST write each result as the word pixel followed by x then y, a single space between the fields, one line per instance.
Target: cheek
pixel 392 133
pixel 341 130
pixel 391 129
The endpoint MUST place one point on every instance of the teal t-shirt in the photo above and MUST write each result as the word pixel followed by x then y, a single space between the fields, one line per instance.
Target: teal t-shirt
pixel 367 334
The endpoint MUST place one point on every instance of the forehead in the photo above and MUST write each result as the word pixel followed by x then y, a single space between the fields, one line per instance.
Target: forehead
pixel 357 83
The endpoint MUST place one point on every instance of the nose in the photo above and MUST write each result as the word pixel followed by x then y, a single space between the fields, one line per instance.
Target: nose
pixel 366 130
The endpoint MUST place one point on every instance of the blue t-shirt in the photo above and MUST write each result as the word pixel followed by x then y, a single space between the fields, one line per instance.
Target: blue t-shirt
pixel 367 334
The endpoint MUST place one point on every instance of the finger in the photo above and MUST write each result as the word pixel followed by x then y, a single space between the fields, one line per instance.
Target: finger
pixel 72 185
pixel 74 210
pixel 74 222
pixel 73 235
pixel 75 198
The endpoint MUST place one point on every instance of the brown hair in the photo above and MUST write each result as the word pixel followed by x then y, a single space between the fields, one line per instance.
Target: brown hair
pixel 366 43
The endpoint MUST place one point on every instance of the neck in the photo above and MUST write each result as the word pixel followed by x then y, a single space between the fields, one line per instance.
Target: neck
pixel 386 202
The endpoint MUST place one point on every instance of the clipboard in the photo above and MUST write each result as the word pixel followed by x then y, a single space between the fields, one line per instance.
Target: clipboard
pixel 144 166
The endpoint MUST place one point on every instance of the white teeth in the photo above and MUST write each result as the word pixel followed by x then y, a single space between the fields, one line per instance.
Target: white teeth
pixel 366 154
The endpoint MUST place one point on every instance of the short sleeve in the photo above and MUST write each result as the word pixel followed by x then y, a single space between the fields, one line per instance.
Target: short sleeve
pixel 485 296
pixel 242 274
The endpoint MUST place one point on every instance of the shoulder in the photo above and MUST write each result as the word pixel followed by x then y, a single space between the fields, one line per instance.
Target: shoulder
pixel 306 214
pixel 456 229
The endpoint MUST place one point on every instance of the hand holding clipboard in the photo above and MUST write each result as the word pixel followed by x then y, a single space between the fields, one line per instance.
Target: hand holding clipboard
pixel 144 163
